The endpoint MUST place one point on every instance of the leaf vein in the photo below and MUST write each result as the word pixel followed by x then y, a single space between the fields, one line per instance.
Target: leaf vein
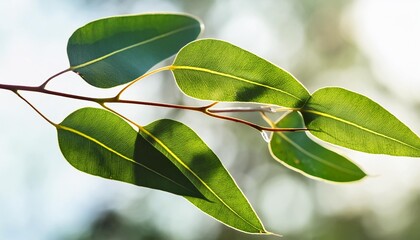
pixel 131 46
pixel 299 148
pixel 117 153
pixel 194 174
pixel 173 67
pixel 360 127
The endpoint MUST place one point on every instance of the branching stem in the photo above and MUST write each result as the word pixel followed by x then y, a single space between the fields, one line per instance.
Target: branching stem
pixel 116 99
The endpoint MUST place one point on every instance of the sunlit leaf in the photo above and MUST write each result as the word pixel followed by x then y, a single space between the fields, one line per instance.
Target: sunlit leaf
pixel 216 70
pixel 98 142
pixel 167 155
pixel 192 156
pixel 116 50
pixel 297 151
pixel 354 121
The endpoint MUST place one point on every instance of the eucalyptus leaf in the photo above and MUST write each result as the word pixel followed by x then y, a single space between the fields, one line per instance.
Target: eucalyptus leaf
pixel 351 120
pixel 100 143
pixel 215 70
pixel 116 50
pixel 297 151
pixel 225 201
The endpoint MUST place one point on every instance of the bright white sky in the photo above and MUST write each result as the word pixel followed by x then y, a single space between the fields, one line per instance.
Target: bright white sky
pixel 389 32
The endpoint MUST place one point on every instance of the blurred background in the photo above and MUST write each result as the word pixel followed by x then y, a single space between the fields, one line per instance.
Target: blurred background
pixel 369 46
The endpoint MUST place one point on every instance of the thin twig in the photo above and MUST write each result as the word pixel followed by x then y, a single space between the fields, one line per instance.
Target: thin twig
pixel 242 109
pixel 120 115
pixel 116 99
pixel 253 125
pixel 36 110
pixel 267 120
pixel 52 77
pixel 140 78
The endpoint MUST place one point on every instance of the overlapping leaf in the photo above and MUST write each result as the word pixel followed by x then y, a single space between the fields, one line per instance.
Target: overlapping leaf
pixel 116 50
pixel 297 151
pixel 98 142
pixel 167 155
pixel 190 154
pixel 215 70
pixel 354 121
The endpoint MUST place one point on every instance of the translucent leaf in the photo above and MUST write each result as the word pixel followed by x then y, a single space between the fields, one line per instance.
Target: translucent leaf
pixel 100 143
pixel 166 155
pixel 116 50
pixel 297 151
pixel 225 201
pixel 216 70
pixel 351 120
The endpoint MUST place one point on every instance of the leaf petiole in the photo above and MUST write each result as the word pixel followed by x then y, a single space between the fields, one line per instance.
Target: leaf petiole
pixel 36 110
pixel 52 77
pixel 141 77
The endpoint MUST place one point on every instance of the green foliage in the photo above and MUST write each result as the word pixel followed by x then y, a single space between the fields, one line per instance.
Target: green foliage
pixel 169 156
pixel 98 142
pixel 216 70
pixel 298 151
pixel 116 50
pixel 351 120
pixel 223 199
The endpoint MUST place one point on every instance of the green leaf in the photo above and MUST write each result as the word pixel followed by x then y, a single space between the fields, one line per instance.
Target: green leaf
pixel 216 70
pixel 297 151
pixel 192 156
pixel 116 50
pixel 351 120
pixel 166 155
pixel 100 143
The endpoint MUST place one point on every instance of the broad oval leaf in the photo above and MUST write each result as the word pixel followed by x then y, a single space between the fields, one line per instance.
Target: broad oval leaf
pixel 215 70
pixel 346 118
pixel 116 50
pixel 225 201
pixel 297 151
pixel 100 143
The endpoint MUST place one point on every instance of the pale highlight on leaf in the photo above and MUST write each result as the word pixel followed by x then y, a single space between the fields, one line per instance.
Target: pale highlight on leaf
pixel 113 51
pixel 298 152
pixel 215 70
pixel 351 120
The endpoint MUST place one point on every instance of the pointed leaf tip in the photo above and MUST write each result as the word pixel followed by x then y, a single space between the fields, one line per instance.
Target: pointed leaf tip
pixel 351 120
pixel 165 155
pixel 225 201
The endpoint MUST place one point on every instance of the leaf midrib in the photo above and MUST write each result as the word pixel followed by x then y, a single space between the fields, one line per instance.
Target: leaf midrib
pixel 299 148
pixel 118 154
pixel 198 177
pixel 178 67
pixel 360 127
pixel 131 46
